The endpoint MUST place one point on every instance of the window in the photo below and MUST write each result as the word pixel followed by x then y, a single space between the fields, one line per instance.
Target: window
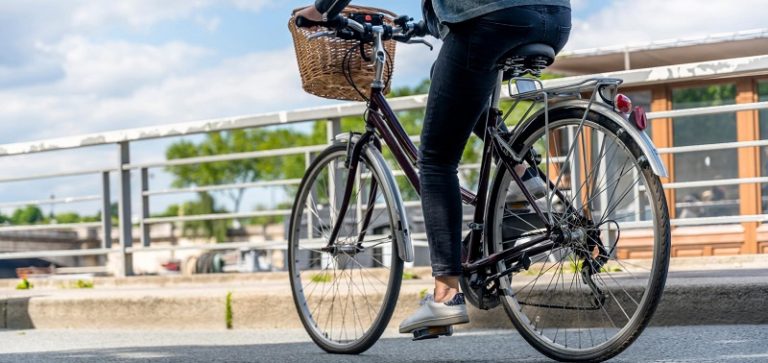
pixel 705 165
pixel 762 95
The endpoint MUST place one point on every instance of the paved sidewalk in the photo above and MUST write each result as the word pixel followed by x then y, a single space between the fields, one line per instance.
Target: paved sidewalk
pixel 697 344
pixel 699 291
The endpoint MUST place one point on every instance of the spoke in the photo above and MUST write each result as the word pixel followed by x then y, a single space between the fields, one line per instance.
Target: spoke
pixel 311 282
pixel 607 186
pixel 620 286
pixel 612 209
pixel 593 173
pixel 510 213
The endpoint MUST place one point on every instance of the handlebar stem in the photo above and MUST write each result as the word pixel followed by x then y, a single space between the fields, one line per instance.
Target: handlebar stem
pixel 380 56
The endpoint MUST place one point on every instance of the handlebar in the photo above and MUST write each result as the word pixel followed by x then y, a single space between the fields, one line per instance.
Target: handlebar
pixel 404 31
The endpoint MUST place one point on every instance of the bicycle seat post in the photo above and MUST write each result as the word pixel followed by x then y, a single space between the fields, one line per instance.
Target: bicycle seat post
pixel 495 100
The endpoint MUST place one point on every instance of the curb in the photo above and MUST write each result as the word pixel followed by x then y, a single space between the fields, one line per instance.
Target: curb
pixel 717 301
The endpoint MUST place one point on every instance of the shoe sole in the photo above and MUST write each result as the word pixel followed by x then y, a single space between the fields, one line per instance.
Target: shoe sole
pixel 454 320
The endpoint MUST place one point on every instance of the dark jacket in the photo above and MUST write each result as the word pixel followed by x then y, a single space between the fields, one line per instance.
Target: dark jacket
pixel 447 11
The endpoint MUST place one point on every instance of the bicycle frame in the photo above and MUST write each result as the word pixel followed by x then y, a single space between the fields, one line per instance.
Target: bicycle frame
pixel 383 122
pixel 383 119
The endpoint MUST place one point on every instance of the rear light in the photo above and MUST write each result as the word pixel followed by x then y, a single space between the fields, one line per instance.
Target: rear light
pixel 639 118
pixel 623 104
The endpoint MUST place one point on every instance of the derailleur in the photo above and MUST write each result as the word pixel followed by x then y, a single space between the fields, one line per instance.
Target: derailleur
pixel 589 268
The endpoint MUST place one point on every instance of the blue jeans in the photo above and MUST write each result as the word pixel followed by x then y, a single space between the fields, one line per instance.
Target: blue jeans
pixel 462 82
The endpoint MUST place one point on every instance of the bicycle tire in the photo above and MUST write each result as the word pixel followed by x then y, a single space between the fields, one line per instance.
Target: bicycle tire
pixel 533 328
pixel 369 334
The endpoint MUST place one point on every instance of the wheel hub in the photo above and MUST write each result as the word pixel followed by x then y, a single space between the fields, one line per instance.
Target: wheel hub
pixel 570 236
pixel 346 249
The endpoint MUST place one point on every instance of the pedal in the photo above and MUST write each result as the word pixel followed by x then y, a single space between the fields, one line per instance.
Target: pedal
pixel 432 332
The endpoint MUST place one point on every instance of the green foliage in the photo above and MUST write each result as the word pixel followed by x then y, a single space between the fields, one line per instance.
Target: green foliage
pixel 423 293
pixel 321 278
pixel 704 129
pixel 24 284
pixel 407 275
pixel 237 171
pixel 83 284
pixel 216 229
pixel 231 172
pixel 68 217
pixel 228 310
pixel 30 214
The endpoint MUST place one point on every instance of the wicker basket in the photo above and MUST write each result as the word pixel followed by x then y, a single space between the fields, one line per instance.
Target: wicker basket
pixel 321 59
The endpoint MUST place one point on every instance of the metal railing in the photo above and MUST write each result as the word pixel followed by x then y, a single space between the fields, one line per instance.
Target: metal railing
pixel 124 166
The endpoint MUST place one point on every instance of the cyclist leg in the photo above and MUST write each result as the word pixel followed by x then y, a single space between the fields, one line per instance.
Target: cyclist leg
pixel 463 79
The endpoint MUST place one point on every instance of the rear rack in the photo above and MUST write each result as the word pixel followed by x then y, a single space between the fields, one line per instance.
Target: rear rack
pixel 602 89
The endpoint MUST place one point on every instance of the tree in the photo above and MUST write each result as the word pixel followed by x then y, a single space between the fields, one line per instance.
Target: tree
pixel 67 217
pixel 216 229
pixel 236 171
pixel 30 214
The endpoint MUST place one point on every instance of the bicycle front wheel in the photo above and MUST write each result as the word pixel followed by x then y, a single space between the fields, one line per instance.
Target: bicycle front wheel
pixel 345 291
pixel 593 286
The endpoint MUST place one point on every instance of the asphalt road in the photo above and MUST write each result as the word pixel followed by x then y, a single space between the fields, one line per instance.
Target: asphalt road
pixel 701 344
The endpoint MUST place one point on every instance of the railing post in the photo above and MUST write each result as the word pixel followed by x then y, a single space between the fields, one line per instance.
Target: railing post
pixel 310 225
pixel 145 238
pixel 106 211
pixel 334 128
pixel 335 183
pixel 126 227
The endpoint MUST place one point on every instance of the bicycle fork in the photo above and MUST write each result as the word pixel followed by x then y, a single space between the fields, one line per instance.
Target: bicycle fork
pixel 351 164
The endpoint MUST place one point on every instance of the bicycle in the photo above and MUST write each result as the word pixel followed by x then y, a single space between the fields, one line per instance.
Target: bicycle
pixel 552 262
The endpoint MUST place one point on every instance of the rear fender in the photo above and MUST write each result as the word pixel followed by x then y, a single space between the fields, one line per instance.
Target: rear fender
pixel 578 107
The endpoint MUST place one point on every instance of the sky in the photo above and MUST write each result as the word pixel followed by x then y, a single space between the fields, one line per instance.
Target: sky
pixel 70 67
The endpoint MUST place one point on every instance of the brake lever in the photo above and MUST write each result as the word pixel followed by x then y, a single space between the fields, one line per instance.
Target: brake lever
pixel 421 41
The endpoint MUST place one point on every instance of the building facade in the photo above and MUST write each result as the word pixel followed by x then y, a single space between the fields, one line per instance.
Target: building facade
pixel 725 184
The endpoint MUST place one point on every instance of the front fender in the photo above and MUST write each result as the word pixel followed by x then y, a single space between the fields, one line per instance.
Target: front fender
pixel 640 138
pixel 397 211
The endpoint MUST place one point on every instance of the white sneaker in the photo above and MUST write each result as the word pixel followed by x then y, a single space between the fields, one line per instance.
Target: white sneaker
pixel 535 185
pixel 431 314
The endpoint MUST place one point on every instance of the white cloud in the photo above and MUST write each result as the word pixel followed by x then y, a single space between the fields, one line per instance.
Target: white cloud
pixel 143 13
pixel 630 21
pixel 112 67
pixel 210 24
pixel 121 85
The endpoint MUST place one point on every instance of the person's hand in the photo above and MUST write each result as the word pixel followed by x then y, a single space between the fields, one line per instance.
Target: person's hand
pixel 310 13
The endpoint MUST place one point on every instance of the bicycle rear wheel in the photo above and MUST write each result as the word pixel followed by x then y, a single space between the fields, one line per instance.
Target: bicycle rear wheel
pixel 588 295
pixel 345 296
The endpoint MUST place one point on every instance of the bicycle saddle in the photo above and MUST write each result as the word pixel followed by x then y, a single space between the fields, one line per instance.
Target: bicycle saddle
pixel 533 56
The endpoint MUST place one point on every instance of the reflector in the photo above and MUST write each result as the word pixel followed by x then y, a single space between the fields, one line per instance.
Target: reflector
pixel 623 103
pixel 639 118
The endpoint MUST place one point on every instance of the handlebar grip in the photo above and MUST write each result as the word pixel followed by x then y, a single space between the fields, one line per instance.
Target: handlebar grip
pixel 337 22
pixel 303 22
